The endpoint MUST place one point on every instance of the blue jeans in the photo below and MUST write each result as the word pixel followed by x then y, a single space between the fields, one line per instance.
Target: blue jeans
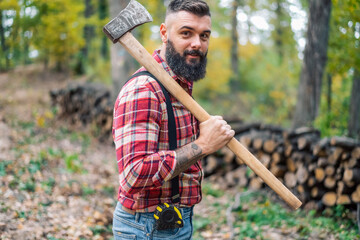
pixel 140 226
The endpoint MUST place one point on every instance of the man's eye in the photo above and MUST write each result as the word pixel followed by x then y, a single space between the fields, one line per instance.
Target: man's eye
pixel 205 36
pixel 186 34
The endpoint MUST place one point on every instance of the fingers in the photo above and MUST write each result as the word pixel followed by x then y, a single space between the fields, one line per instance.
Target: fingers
pixel 224 126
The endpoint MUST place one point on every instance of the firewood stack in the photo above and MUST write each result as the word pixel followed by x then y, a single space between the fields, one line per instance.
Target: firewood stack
pixel 321 172
pixel 84 104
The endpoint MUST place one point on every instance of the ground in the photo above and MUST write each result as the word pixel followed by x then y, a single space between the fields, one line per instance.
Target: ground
pixel 58 181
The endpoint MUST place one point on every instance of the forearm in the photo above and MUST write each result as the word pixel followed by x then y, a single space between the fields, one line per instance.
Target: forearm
pixel 186 156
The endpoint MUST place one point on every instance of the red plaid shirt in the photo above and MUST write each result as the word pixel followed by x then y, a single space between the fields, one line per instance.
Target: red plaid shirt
pixel 140 132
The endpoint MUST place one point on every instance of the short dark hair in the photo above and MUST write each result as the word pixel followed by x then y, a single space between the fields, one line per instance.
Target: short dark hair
pixel 197 7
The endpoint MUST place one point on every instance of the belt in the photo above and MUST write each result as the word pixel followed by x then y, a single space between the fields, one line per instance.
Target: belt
pixel 132 212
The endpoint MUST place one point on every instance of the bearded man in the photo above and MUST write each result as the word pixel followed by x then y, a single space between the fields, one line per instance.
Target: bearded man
pixel 149 170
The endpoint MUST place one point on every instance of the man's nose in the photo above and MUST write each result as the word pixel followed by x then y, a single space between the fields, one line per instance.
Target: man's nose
pixel 196 42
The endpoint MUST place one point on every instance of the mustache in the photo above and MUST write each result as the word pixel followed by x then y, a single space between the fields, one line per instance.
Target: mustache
pixel 194 53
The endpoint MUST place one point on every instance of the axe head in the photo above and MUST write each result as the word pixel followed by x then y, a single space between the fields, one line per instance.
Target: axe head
pixel 129 18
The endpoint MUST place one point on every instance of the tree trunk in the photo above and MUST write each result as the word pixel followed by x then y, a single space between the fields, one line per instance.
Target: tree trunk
pixel 3 44
pixel 315 58
pixel 122 64
pixel 279 31
pixel 88 29
pixel 354 118
pixel 235 47
pixel 329 93
pixel 103 13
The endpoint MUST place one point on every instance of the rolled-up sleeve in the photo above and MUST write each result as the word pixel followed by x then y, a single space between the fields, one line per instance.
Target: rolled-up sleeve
pixel 136 129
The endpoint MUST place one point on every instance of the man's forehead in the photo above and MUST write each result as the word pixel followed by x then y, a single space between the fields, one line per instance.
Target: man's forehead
pixel 185 18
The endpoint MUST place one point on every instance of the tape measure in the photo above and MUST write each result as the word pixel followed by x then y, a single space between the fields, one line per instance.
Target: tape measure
pixel 167 217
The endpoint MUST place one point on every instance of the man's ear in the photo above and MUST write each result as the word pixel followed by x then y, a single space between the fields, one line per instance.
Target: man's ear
pixel 163 33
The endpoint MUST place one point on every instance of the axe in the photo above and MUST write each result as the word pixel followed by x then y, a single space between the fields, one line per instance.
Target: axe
pixel 119 30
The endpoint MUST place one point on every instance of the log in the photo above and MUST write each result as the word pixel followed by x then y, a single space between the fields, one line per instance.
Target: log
pixel 227 155
pixel 276 158
pixel 317 192
pixel 270 145
pixel 329 199
pixel 343 200
pixel 319 174
pixel 302 174
pixel 246 127
pixel 322 162
pixel 330 182
pixel 212 163
pixel 278 170
pixel 334 157
pixel 240 175
pixel 352 175
pixel 288 150
pixel 329 171
pixel 256 183
pixel 300 132
pixel 313 205
pixel 290 164
pixel 290 180
pixel 342 189
pixel 311 181
pixel 355 153
pixel 344 142
pixel 305 142
pixel 246 140
pixel 265 159
pixel 320 148
pixel 352 163
pixel 355 197
pixel 257 143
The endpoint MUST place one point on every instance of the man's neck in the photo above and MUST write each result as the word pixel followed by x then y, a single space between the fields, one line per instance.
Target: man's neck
pixel 162 51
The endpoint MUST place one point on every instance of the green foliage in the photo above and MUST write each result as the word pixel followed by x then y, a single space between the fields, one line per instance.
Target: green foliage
pixel 208 189
pixel 73 163
pixel 334 122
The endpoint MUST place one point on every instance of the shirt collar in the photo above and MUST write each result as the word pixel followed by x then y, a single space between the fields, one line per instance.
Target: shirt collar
pixel 180 80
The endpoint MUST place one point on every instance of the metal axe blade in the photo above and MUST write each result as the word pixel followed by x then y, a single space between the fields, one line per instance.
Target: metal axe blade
pixel 129 18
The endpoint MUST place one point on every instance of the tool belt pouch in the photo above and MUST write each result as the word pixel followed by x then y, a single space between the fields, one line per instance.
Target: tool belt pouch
pixel 167 216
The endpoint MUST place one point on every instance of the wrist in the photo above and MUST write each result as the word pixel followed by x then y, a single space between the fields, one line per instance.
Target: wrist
pixel 203 146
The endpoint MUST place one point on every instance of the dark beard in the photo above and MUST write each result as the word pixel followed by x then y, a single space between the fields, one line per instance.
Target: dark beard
pixel 193 71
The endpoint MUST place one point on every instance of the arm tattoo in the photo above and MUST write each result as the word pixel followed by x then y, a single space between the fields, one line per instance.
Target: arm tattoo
pixel 187 156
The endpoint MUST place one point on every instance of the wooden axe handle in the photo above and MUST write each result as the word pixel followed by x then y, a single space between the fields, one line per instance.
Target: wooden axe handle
pixel 144 58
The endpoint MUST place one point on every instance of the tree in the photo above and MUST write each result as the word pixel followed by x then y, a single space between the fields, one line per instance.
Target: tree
pixel 315 57
pixel 354 118
pixel 344 58
pixel 235 46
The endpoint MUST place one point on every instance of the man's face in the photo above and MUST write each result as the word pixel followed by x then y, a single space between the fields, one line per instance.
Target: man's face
pixel 186 37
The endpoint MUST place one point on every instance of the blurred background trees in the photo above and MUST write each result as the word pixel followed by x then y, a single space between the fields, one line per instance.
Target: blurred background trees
pixel 264 55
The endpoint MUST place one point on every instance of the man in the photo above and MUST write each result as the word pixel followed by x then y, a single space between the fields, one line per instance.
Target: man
pixel 140 131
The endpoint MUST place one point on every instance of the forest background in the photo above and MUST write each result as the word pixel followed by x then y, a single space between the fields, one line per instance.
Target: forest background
pixel 291 63
pixel 284 62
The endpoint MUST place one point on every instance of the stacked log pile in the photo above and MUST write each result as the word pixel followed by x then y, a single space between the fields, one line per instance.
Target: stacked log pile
pixel 321 172
pixel 84 104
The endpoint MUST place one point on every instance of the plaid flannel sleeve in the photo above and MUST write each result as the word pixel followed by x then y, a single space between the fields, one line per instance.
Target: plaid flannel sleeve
pixel 136 129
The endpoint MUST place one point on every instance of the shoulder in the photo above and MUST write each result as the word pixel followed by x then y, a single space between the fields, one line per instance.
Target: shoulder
pixel 141 87
pixel 143 83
